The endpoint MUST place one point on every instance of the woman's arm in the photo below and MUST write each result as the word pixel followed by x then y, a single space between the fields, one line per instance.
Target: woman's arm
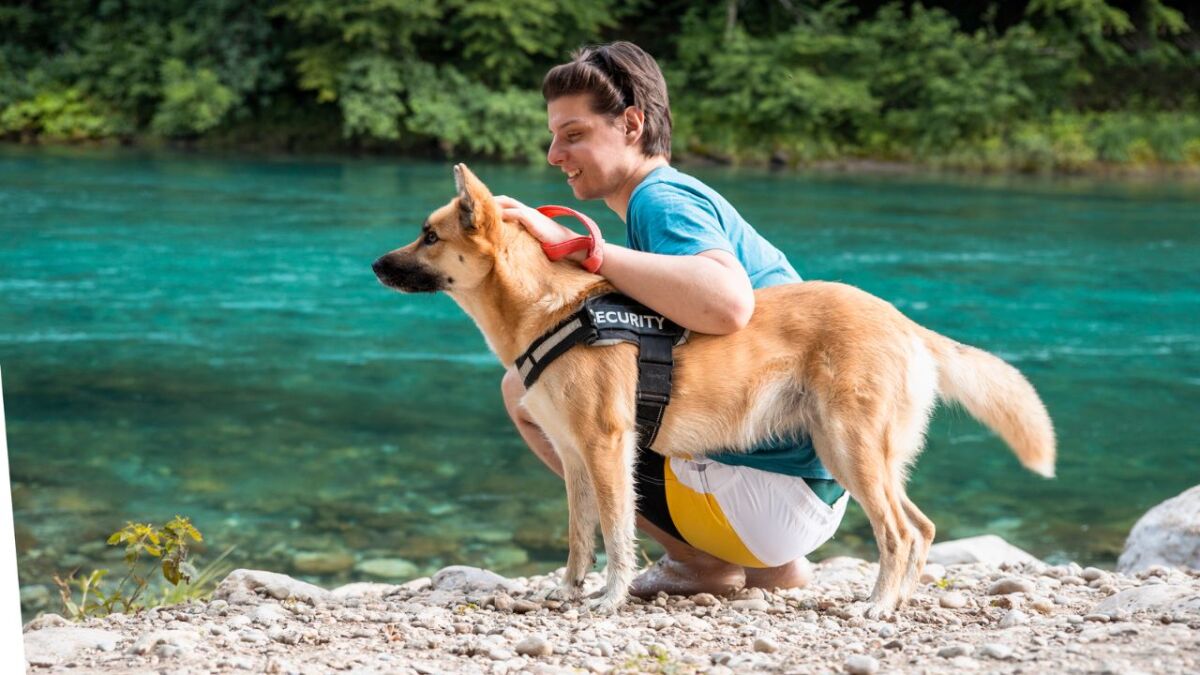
pixel 707 293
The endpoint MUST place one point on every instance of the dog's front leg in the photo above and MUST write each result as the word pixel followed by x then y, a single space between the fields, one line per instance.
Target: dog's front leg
pixel 581 530
pixel 610 466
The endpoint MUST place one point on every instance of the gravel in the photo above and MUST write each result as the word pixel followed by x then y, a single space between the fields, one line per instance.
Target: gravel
pixel 1007 618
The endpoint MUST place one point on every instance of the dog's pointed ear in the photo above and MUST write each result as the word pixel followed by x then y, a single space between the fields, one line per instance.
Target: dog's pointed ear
pixel 474 199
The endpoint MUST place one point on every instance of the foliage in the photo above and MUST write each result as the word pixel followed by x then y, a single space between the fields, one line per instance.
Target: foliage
pixel 1060 83
pixel 168 547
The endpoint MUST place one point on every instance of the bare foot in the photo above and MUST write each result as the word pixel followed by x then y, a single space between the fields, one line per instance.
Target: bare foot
pixel 676 577
pixel 796 574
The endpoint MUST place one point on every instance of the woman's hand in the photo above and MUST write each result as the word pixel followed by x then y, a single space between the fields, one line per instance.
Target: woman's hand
pixel 545 230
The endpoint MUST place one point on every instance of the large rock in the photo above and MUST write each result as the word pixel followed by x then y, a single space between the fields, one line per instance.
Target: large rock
pixel 1159 598
pixel 988 549
pixel 49 646
pixel 1168 534
pixel 244 586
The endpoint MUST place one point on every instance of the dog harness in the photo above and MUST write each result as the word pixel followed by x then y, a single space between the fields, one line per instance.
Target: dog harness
pixel 606 320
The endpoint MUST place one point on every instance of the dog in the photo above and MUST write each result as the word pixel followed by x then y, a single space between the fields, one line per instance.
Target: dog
pixel 823 358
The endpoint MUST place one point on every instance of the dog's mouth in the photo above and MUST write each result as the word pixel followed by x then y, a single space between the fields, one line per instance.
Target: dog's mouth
pixel 407 276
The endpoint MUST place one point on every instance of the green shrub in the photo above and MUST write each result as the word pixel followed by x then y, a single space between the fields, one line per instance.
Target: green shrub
pixel 167 549
pixel 61 115
pixel 193 100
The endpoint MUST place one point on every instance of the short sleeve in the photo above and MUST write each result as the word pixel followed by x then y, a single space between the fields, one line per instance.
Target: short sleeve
pixel 673 221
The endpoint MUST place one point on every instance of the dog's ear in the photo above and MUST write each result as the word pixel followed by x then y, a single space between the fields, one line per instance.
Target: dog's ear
pixel 474 199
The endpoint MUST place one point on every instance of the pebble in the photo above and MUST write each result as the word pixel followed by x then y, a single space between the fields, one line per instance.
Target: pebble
pixel 705 600
pixel 1092 574
pixel 765 645
pixel 1042 605
pixel 995 650
pixel 534 645
pixel 1009 585
pixel 861 664
pixel 753 604
pixel 1014 617
pixel 1098 618
pixel 951 651
pixel 953 600
pixel 886 631
pixel 503 602
pixel 525 606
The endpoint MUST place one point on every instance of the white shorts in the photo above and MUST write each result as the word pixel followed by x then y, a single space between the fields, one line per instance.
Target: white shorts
pixel 746 516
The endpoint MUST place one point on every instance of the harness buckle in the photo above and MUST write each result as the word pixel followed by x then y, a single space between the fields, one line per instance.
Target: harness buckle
pixel 653 397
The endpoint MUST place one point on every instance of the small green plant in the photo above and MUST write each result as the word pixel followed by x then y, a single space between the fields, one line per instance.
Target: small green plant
pixel 167 547
pixel 946 583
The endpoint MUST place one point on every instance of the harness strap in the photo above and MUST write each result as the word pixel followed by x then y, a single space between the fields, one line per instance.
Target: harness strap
pixel 552 345
pixel 655 362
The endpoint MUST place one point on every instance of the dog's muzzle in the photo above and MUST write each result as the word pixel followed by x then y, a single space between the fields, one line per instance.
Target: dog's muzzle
pixel 404 274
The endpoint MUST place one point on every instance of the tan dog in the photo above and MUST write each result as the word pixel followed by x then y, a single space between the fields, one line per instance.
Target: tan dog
pixel 825 358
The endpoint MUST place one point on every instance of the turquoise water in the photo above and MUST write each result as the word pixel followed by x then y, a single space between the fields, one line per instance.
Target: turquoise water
pixel 204 336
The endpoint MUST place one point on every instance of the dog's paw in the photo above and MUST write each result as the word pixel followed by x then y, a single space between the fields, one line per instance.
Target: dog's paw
pixel 878 611
pixel 608 603
pixel 565 592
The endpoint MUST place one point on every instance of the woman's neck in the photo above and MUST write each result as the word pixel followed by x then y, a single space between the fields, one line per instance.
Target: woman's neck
pixel 618 201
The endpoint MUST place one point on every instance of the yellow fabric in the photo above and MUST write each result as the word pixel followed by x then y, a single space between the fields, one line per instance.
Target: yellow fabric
pixel 703 524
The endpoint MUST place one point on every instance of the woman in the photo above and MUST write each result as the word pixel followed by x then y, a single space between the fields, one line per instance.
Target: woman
pixel 730 519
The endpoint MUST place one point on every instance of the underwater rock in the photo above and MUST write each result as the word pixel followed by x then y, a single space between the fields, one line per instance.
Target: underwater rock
pixel 388 568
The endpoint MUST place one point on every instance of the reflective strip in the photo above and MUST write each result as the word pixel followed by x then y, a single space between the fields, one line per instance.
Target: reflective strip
pixel 552 341
pixel 524 367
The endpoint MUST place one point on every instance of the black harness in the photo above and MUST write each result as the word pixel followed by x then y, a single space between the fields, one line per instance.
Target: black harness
pixel 606 320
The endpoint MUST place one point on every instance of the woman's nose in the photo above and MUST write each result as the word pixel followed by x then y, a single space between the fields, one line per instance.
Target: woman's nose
pixel 554 156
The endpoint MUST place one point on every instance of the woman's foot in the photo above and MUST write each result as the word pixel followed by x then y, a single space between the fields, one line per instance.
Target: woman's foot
pixel 699 574
pixel 796 574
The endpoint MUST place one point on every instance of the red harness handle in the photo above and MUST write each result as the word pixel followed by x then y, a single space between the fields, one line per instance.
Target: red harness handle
pixel 593 244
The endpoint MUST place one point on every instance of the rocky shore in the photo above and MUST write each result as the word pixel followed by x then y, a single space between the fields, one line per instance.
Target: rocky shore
pixel 983 606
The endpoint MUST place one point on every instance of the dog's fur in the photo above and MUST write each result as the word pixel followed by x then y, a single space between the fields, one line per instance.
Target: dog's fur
pixel 826 358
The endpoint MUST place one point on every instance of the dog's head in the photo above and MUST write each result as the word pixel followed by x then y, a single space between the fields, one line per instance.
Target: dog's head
pixel 456 248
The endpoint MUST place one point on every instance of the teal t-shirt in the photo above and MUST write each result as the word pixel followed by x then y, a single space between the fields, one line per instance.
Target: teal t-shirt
pixel 672 213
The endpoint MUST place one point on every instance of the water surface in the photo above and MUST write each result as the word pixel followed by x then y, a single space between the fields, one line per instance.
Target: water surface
pixel 204 336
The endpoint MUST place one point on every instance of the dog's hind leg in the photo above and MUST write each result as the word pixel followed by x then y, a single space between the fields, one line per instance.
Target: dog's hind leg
pixel 920 550
pixel 610 466
pixel 582 518
pixel 857 459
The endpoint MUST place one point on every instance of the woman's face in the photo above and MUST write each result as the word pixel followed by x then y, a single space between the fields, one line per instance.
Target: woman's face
pixel 594 151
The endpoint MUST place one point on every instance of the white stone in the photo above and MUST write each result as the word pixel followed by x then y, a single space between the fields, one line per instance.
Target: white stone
pixel 157 642
pixel 861 664
pixel 765 645
pixel 1161 598
pixel 953 600
pixel 1014 617
pixel 1010 585
pixel 988 549
pixel 534 645
pixel 241 586
pixel 365 590
pixel 48 646
pixel 464 579
pixel 1168 535
pixel 996 651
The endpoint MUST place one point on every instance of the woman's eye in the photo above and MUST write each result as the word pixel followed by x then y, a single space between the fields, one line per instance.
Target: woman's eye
pixel 430 238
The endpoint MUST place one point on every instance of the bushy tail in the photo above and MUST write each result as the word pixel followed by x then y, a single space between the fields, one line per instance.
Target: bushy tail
pixel 998 395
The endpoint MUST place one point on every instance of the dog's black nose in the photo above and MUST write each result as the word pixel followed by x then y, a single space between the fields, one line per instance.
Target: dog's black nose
pixel 381 266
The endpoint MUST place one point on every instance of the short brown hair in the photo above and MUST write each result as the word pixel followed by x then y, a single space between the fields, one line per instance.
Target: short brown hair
pixel 618 75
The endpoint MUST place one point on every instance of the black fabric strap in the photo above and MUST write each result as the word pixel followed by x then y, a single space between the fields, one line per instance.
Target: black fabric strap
pixel 654 385
pixel 577 328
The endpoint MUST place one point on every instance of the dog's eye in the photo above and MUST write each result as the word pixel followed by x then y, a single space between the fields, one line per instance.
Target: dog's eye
pixel 430 238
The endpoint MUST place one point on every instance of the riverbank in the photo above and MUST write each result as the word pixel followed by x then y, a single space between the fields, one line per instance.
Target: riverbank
pixel 1003 617
pixel 974 161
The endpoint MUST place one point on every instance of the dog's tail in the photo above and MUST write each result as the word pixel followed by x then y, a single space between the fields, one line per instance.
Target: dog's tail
pixel 998 395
